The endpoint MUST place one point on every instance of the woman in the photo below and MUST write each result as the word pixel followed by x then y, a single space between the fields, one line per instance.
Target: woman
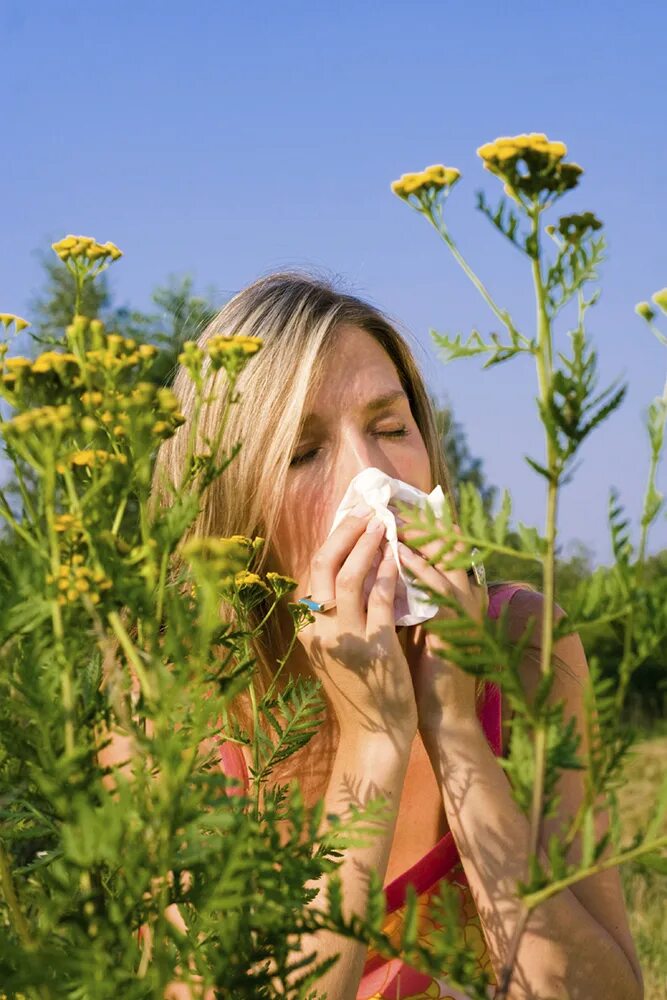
pixel 336 389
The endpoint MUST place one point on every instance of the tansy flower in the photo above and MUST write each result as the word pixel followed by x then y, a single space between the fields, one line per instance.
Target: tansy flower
pixel 74 580
pixel 51 418
pixel 91 458
pixel 644 310
pixel 86 248
pixel 281 585
pixel 226 556
pixel 19 323
pixel 530 164
pixel 573 227
pixel 231 352
pixel 660 299
pixel 245 579
pixel 67 524
pixel 427 184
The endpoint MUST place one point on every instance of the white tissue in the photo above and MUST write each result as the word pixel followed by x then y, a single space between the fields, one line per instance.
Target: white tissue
pixel 376 489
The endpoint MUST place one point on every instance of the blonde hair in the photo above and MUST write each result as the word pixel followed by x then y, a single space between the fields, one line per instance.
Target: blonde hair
pixel 297 316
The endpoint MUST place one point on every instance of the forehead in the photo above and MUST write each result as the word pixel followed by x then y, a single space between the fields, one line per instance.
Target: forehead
pixel 357 374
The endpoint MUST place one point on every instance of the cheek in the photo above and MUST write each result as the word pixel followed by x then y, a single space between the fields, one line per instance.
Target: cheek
pixel 416 466
pixel 303 525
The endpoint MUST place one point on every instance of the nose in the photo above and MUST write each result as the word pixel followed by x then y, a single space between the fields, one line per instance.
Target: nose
pixel 359 451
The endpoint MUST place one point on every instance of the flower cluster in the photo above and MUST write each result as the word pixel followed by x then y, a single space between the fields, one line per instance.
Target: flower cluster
pixel 47 379
pixel 118 354
pixel 55 420
pixel 91 458
pixel 427 184
pixel 225 557
pixel 68 525
pixel 231 352
pixel 74 579
pixel 85 248
pixel 530 165
pixel 573 227
pixel 250 587
pixel 7 319
pixel 280 584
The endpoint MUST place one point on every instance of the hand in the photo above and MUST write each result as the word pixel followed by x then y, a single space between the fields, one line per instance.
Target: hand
pixel 354 648
pixel 444 693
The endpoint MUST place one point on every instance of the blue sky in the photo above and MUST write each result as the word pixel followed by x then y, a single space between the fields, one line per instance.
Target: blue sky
pixel 228 140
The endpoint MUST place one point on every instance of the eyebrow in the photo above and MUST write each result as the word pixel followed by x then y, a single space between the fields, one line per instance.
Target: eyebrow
pixel 379 403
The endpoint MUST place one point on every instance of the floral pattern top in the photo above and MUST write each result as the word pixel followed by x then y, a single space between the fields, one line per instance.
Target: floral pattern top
pixel 393 979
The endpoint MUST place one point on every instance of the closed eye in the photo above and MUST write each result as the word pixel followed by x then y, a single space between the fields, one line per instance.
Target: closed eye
pixel 309 455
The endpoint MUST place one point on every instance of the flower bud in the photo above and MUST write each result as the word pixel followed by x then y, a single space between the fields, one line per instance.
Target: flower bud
pixel 644 310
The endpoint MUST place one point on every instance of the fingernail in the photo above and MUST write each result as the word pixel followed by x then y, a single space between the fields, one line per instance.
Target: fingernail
pixel 374 524
pixel 360 510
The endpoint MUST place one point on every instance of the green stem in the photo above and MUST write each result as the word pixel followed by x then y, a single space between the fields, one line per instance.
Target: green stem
pixel 130 652
pixel 16 916
pixel 281 664
pixel 501 314
pixel 56 614
pixel 544 367
pixel 601 620
pixel 164 562
pixel 533 899
pixel 115 527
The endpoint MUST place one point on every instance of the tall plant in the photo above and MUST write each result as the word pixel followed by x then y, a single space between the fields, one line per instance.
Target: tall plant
pixel 535 175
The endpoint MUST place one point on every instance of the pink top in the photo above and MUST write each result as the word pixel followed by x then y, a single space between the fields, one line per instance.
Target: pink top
pixel 392 979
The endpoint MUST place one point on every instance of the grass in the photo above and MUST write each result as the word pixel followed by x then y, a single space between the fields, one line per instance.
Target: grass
pixel 646 891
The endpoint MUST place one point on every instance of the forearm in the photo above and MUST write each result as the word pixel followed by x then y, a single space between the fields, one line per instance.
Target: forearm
pixel 371 767
pixel 564 952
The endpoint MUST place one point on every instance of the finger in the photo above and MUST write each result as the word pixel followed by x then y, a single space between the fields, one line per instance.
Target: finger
pixel 350 603
pixel 415 563
pixel 382 595
pixel 331 555
pixel 440 551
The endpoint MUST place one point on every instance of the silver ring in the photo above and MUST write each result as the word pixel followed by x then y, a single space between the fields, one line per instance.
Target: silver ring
pixel 477 571
pixel 314 605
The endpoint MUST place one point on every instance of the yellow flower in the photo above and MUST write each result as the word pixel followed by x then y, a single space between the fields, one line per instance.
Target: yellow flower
pixel 428 183
pixel 94 398
pixel 281 584
pixel 55 361
pixel 147 351
pixel 67 524
pixel 57 419
pixel 231 352
pixel 228 556
pixel 644 310
pixel 18 364
pixel 167 400
pixel 85 247
pixel 660 299
pixel 85 457
pixel 91 458
pixel 242 540
pixel 113 250
pixel 19 323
